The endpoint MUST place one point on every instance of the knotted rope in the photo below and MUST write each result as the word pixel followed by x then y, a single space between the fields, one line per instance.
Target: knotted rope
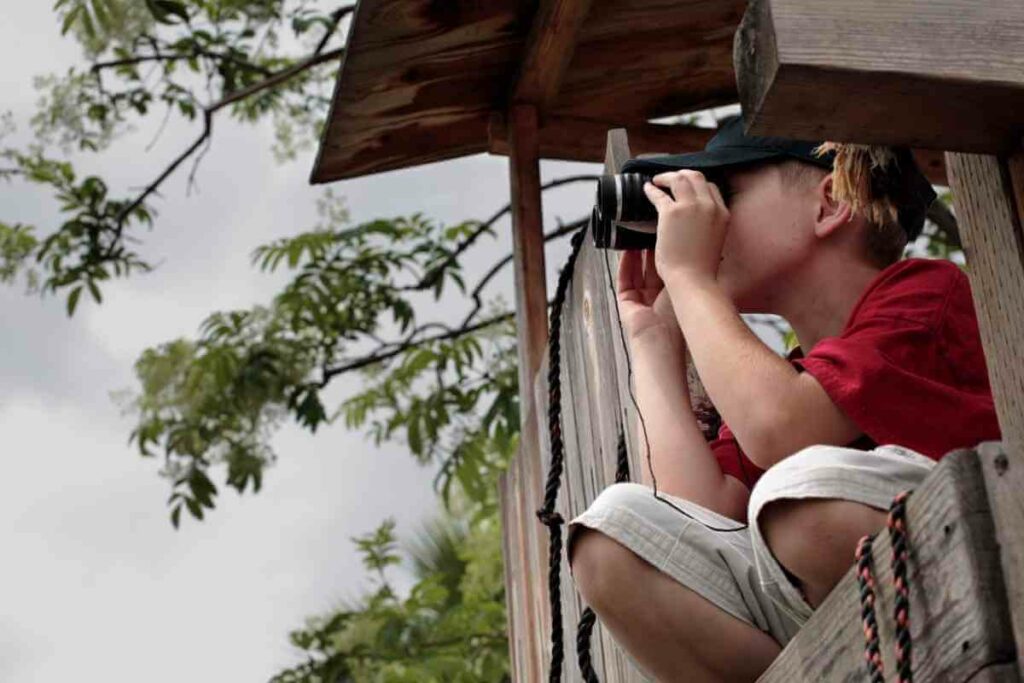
pixel 547 514
pixel 897 525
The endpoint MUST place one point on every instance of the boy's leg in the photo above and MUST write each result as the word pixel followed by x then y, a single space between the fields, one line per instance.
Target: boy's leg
pixel 673 633
pixel 815 538
pixel 808 511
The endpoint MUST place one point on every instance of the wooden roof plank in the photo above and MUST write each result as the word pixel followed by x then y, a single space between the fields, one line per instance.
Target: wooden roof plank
pixel 549 50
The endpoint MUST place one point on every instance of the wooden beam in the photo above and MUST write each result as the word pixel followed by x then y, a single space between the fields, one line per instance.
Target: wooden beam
pixel 989 196
pixel 549 49
pixel 958 613
pixel 942 75
pixel 528 244
pixel 572 139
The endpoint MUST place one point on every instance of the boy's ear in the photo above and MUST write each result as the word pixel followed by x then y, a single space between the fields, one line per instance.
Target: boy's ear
pixel 831 214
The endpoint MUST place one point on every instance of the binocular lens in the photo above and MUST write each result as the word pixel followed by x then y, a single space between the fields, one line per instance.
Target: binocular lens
pixel 621 198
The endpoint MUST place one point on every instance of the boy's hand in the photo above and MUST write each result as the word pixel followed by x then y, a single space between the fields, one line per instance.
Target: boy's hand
pixel 692 223
pixel 643 300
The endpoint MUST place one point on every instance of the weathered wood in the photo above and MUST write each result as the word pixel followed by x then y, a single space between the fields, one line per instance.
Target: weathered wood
pixel 958 613
pixel 528 244
pixel 941 75
pixel 548 51
pixel 420 78
pixel 572 139
pixel 989 195
pixel 531 325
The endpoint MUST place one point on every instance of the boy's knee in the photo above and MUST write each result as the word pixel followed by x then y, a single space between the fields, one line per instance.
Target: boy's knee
pixel 815 538
pixel 600 565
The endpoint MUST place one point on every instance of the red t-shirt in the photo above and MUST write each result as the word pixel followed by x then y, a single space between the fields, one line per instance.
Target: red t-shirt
pixel 907 368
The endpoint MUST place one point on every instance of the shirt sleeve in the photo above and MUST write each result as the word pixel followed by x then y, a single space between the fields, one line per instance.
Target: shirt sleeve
pixel 733 460
pixel 891 374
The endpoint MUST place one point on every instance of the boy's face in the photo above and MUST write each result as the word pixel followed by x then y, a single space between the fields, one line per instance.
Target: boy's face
pixel 770 235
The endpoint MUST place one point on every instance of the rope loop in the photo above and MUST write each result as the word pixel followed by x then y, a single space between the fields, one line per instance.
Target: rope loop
pixel 897 525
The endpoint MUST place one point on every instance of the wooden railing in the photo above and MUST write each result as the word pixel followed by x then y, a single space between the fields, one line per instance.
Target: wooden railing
pixel 961 620
pixel 596 405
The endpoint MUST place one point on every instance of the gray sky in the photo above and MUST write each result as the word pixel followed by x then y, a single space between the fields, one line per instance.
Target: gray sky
pixel 94 581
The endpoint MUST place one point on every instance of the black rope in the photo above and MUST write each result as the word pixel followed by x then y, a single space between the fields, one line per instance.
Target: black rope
pixel 897 524
pixel 583 634
pixel 547 514
pixel 586 625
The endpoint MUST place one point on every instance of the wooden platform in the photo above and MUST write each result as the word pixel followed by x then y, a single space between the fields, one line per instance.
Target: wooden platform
pixel 960 624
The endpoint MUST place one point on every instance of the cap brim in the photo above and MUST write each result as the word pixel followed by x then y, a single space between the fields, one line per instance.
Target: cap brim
pixel 706 160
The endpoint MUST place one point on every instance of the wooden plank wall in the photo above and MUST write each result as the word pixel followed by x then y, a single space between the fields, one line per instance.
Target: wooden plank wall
pixel 959 618
pixel 594 392
pixel 596 404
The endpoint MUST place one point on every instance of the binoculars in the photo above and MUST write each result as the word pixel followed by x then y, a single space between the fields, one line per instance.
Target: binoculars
pixel 623 217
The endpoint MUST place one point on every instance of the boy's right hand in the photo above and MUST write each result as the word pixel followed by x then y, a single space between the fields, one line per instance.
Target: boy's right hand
pixel 644 303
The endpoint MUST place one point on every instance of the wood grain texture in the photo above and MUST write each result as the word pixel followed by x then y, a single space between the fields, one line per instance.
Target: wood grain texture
pixel 571 139
pixel 420 78
pixel 528 244
pixel 958 613
pixel 945 74
pixel 549 49
pixel 989 193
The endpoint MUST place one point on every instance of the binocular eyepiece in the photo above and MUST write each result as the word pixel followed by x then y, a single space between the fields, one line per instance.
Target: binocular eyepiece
pixel 623 216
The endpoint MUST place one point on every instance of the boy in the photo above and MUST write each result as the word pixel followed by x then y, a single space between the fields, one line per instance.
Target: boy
pixel 892 356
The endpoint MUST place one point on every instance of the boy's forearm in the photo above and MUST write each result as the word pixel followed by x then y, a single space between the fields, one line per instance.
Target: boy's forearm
pixel 746 380
pixel 682 460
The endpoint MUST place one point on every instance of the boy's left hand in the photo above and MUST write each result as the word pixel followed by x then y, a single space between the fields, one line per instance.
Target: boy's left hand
pixel 692 222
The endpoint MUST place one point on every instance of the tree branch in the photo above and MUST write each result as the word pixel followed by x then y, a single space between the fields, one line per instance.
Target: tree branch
pixel 408 344
pixel 428 279
pixel 475 294
pixel 208 112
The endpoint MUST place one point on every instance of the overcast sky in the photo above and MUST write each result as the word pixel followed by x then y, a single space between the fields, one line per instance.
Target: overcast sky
pixel 94 582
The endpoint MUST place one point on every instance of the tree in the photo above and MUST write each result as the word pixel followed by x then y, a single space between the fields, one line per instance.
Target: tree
pixel 206 407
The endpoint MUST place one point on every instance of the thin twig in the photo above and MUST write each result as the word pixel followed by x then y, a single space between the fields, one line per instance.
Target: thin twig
pixel 429 278
pixel 382 356
pixel 208 112
pixel 475 294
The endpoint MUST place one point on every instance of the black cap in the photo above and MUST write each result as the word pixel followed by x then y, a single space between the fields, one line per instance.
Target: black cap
pixel 731 148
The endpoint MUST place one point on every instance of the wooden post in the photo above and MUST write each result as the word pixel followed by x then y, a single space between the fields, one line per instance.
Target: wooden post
pixel 989 195
pixel 528 243
pixel 528 591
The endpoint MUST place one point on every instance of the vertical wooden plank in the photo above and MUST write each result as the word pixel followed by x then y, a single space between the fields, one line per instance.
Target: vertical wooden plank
pixel 989 196
pixel 508 534
pixel 531 325
pixel 528 245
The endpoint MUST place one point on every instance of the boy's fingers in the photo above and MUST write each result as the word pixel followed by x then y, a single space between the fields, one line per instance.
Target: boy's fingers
pixel 716 195
pixel 681 184
pixel 651 278
pixel 628 265
pixel 657 196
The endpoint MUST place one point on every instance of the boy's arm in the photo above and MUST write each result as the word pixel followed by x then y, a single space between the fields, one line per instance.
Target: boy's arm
pixel 772 409
pixel 683 463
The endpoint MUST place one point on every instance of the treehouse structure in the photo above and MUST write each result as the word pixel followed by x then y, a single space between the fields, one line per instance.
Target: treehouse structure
pixel 424 81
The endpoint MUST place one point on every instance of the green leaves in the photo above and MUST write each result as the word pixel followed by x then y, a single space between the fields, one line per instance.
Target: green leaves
pixel 450 627
pixel 87 249
pixel 167 11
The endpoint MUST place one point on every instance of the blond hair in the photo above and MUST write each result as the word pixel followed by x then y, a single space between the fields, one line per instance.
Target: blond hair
pixel 855 180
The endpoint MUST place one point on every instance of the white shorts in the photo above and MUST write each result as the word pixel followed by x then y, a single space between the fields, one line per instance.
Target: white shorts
pixel 731 565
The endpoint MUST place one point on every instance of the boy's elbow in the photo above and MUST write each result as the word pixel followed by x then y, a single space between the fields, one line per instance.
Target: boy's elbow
pixel 765 440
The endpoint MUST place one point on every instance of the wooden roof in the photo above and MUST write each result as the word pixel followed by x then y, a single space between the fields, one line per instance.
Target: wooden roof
pixel 426 80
